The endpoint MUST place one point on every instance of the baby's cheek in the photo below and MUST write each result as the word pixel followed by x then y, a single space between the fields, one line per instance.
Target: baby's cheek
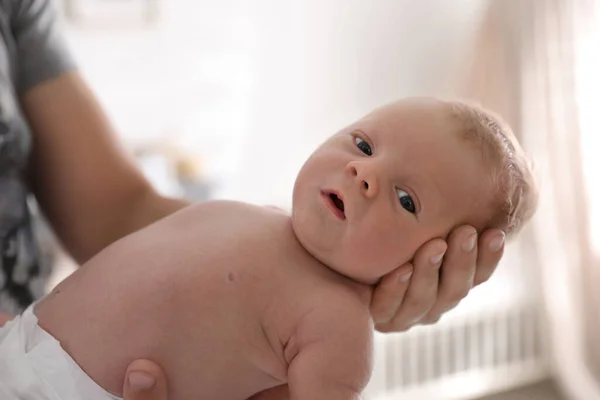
pixel 385 249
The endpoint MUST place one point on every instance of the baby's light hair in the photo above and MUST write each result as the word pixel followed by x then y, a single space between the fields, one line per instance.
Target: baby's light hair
pixel 513 178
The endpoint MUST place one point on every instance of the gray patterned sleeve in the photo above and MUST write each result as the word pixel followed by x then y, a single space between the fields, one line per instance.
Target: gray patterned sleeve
pixel 42 52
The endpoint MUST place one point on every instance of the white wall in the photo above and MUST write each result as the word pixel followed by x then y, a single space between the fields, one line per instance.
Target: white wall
pixel 185 82
pixel 253 87
pixel 322 64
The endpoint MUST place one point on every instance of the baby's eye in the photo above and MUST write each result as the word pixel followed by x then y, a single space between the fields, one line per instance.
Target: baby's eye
pixel 363 146
pixel 406 201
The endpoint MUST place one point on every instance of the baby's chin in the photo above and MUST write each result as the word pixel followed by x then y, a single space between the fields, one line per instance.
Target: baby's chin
pixel 343 267
pixel 333 258
pixel 357 276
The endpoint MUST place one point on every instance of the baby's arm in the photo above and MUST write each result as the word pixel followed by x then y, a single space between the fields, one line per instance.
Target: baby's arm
pixel 334 353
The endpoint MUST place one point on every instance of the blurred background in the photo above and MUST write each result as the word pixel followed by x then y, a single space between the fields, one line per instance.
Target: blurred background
pixel 226 98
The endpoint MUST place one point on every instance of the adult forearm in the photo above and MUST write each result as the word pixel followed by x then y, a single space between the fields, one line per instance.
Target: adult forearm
pixel 136 214
pixel 86 184
pixel 147 209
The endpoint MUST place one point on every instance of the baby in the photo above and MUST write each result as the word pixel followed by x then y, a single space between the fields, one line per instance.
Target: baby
pixel 232 299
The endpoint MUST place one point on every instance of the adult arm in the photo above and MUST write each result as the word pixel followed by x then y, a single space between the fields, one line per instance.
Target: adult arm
pixel 86 184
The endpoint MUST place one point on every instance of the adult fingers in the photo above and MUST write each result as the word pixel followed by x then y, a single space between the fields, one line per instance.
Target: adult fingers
pixel 490 251
pixel 422 291
pixel 456 273
pixel 144 380
pixel 389 294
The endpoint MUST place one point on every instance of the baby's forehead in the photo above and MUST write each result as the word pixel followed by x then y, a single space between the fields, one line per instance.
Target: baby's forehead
pixel 415 127
pixel 410 106
pixel 393 118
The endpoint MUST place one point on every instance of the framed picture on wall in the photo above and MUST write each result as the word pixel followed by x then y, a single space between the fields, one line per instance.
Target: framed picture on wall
pixel 112 13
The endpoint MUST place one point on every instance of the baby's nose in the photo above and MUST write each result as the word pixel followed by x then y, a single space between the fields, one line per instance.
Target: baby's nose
pixel 366 177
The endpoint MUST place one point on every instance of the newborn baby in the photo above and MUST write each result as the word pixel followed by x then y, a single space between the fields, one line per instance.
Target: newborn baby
pixel 231 299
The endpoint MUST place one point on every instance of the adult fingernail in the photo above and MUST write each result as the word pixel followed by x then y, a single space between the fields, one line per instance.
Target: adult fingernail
pixel 497 242
pixel 435 260
pixel 469 243
pixel 405 277
pixel 140 381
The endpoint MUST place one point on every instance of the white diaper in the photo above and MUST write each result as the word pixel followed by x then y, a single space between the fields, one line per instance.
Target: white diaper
pixel 33 366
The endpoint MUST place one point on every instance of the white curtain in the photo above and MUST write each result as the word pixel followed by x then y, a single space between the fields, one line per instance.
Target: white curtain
pixel 525 66
pixel 552 30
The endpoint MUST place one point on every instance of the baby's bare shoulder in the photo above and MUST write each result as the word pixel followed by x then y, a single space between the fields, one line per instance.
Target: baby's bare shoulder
pixel 222 212
pixel 231 206
pixel 216 208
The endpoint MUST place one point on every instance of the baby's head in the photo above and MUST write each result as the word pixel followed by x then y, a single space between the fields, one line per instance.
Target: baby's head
pixel 408 172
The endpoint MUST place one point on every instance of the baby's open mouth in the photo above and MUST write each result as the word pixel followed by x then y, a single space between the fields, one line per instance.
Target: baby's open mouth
pixel 334 203
pixel 337 202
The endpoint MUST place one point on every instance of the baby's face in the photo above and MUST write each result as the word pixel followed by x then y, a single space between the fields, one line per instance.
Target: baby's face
pixel 372 194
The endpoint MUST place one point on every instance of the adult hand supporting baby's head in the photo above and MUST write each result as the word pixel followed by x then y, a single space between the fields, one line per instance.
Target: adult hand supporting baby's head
pixel 144 380
pixel 439 277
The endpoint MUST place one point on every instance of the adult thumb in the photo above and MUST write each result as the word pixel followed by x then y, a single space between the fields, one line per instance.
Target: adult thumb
pixel 144 380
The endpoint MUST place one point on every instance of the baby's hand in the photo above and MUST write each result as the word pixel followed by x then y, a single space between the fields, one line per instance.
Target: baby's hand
pixel 144 380
pixel 421 291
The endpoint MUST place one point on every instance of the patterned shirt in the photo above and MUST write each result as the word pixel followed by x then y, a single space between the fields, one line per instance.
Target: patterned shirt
pixel 31 52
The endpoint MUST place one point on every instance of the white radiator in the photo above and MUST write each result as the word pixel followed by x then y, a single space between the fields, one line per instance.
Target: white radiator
pixel 461 358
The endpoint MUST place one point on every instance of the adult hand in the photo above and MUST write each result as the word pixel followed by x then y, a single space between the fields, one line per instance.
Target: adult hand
pixel 4 318
pixel 144 380
pixel 438 278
